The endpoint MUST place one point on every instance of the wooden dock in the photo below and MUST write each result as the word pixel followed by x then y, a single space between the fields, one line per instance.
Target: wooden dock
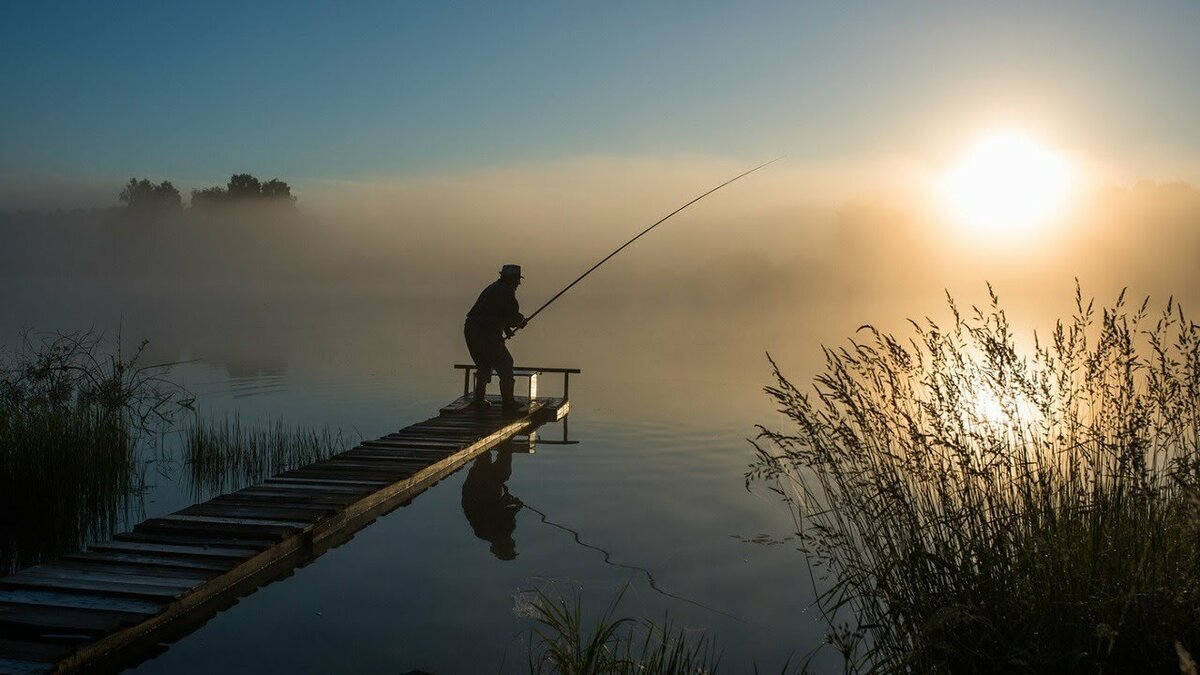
pixel 102 608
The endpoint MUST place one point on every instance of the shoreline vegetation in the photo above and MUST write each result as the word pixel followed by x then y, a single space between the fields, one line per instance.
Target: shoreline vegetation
pixel 80 426
pixel 974 508
pixel 72 420
pixel 223 455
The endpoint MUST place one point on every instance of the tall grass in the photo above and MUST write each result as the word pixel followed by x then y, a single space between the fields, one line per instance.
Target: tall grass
pixel 224 455
pixel 977 508
pixel 562 645
pixel 71 418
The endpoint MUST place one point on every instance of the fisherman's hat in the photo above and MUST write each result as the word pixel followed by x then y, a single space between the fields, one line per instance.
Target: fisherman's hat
pixel 511 271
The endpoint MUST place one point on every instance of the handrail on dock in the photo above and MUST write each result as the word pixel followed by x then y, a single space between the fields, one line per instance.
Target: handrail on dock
pixel 523 371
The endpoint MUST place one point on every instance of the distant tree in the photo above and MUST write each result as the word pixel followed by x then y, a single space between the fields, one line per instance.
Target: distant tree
pixel 277 189
pixel 142 195
pixel 208 197
pixel 244 186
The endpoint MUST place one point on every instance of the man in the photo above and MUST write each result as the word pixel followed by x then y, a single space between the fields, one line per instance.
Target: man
pixel 495 315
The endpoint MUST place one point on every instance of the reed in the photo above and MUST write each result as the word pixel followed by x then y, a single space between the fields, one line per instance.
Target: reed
pixel 612 645
pixel 73 415
pixel 225 455
pixel 976 508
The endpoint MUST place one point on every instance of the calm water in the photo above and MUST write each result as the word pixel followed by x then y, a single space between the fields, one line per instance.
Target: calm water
pixel 662 411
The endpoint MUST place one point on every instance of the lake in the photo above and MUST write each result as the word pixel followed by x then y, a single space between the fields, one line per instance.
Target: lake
pixel 662 412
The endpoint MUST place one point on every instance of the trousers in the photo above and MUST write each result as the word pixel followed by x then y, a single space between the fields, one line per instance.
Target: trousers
pixel 489 353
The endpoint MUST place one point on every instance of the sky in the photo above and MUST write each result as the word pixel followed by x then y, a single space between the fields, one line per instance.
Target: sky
pixel 353 91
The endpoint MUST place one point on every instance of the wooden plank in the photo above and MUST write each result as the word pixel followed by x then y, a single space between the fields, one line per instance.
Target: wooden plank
pixel 134 570
pixel 65 573
pixel 366 486
pixel 449 432
pixel 252 517
pixel 201 539
pixel 34 618
pixel 260 510
pixel 445 431
pixel 203 524
pixel 328 493
pixel 170 550
pixel 451 442
pixel 209 565
pixel 394 456
pixel 60 599
pixel 105 588
pixel 441 435
pixel 276 484
pixel 299 499
pixel 419 447
pixel 351 473
pixel 224 530
pixel 415 449
pixel 427 454
pixel 412 463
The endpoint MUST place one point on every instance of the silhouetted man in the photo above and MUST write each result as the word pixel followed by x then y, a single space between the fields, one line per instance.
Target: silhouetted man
pixel 495 315
pixel 489 507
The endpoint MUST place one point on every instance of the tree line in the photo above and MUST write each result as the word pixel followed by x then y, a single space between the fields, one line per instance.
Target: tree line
pixel 143 195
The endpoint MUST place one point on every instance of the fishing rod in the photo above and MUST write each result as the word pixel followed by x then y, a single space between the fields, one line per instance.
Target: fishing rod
pixel 643 232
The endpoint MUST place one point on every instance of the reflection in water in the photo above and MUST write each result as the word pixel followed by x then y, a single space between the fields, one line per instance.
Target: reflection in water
pixel 487 504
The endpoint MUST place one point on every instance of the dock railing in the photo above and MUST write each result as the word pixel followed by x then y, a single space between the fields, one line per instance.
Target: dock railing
pixel 530 372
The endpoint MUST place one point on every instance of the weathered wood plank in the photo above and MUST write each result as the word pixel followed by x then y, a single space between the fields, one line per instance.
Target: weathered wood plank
pixel 355 489
pixel 207 565
pixel 330 494
pixel 201 539
pixel 66 573
pixel 39 618
pixel 351 473
pixel 77 600
pixel 394 456
pixel 85 587
pixel 135 570
pixel 189 527
pixel 243 510
pixel 422 441
pixel 257 518
pixel 304 481
pixel 300 500
pixel 176 550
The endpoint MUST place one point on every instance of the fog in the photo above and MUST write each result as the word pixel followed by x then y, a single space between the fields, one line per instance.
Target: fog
pixel 381 271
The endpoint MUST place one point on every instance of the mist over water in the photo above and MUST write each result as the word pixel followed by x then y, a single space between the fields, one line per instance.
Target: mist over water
pixel 348 313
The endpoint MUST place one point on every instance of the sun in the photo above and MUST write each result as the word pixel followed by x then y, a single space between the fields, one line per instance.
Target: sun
pixel 1006 183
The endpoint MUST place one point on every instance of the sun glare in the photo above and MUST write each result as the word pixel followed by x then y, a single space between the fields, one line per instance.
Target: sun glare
pixel 1006 183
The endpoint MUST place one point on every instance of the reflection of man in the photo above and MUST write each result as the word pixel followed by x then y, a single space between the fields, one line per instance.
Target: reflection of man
pixel 487 504
pixel 495 314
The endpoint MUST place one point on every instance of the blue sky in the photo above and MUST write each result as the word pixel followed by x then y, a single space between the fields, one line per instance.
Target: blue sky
pixel 308 90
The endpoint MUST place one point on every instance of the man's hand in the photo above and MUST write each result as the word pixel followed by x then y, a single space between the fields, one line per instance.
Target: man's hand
pixel 524 322
pixel 509 332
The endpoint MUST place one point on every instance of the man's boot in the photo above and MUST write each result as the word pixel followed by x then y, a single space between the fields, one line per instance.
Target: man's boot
pixel 478 401
pixel 508 402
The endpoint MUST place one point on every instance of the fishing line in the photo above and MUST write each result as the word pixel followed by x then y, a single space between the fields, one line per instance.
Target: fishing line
pixel 649 575
pixel 643 232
